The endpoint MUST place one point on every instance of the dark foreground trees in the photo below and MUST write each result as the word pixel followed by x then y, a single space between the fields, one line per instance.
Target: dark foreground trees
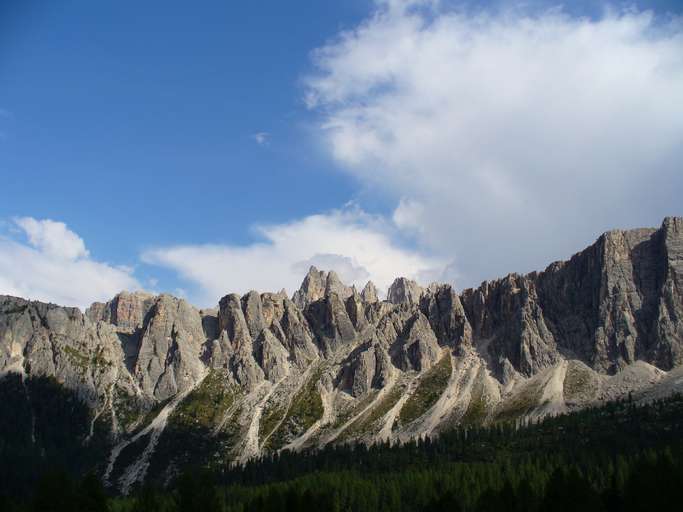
pixel 616 458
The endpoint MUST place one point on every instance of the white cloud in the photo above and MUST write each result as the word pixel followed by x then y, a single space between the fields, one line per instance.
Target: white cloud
pixel 54 266
pixel 53 238
pixel 409 216
pixel 511 139
pixel 345 267
pixel 261 138
pixel 356 245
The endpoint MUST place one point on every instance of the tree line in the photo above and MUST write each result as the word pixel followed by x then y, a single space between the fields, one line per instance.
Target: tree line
pixel 618 457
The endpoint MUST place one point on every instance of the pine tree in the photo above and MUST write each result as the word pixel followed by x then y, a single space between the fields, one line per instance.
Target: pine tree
pixel 91 495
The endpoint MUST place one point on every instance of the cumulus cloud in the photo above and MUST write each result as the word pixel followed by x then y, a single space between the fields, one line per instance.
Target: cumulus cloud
pixel 409 216
pixel 347 269
pixel 53 238
pixel 53 265
pixel 510 138
pixel 358 246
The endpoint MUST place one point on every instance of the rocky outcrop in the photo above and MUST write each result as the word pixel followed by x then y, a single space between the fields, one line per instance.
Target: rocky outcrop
pixel 330 322
pixel 161 337
pixel 296 334
pixel 127 311
pixel 665 346
pixel 369 293
pixel 235 348
pixel 312 288
pixel 404 291
pixel 606 306
pixel 44 340
pixel 508 325
pixel 170 343
pixel 368 367
pixel 418 348
pixel 442 306
pixel 334 285
pixel 271 356
pixel 263 371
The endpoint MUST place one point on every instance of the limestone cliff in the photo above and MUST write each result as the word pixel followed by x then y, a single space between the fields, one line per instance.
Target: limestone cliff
pixel 167 384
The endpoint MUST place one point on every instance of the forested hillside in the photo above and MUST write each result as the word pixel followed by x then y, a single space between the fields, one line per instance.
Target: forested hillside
pixel 621 456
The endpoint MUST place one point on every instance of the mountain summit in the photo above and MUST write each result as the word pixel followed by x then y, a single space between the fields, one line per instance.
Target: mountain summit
pixel 149 384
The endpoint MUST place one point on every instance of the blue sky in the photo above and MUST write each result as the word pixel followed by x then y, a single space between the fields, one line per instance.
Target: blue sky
pixel 138 118
pixel 199 148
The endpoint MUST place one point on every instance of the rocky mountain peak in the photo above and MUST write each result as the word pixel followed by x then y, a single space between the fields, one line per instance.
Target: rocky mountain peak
pixel 126 310
pixel 404 291
pixel 263 372
pixel 312 288
pixel 333 284
pixel 369 293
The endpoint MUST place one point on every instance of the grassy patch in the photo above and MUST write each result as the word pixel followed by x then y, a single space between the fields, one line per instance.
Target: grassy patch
pixel 364 423
pixel 429 389
pixel 99 360
pixel 476 410
pixel 523 402
pixel 188 439
pixel 354 409
pixel 272 415
pixel 84 361
pixel 305 409
pixel 77 358
pixel 385 405
pixel 152 413
pixel 205 406
pixel 232 429
pixel 127 408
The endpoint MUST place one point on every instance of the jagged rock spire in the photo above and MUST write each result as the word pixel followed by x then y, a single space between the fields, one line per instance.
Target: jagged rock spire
pixel 334 285
pixel 312 288
pixel 404 291
pixel 581 331
pixel 318 284
pixel 369 293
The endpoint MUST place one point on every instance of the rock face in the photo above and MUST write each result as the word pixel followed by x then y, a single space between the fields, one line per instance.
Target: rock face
pixel 161 338
pixel 404 291
pixel 263 372
pixel 369 293
pixel 44 340
pixel 418 348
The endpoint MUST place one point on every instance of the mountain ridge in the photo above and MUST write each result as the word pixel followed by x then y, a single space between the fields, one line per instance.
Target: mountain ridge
pixel 168 384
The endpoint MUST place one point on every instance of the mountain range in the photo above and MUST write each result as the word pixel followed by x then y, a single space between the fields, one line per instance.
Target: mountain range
pixel 142 386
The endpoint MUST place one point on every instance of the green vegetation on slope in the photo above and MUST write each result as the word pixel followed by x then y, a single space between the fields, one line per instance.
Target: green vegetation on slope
pixel 526 398
pixel 273 415
pixel 477 409
pixel 305 409
pixel 84 362
pixel 366 422
pixel 354 409
pixel 432 384
pixel 205 406
pixel 193 435
pixel 620 457
pixel 77 358
pixel 126 407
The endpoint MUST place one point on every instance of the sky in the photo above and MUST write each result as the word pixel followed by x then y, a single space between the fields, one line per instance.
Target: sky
pixel 214 148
